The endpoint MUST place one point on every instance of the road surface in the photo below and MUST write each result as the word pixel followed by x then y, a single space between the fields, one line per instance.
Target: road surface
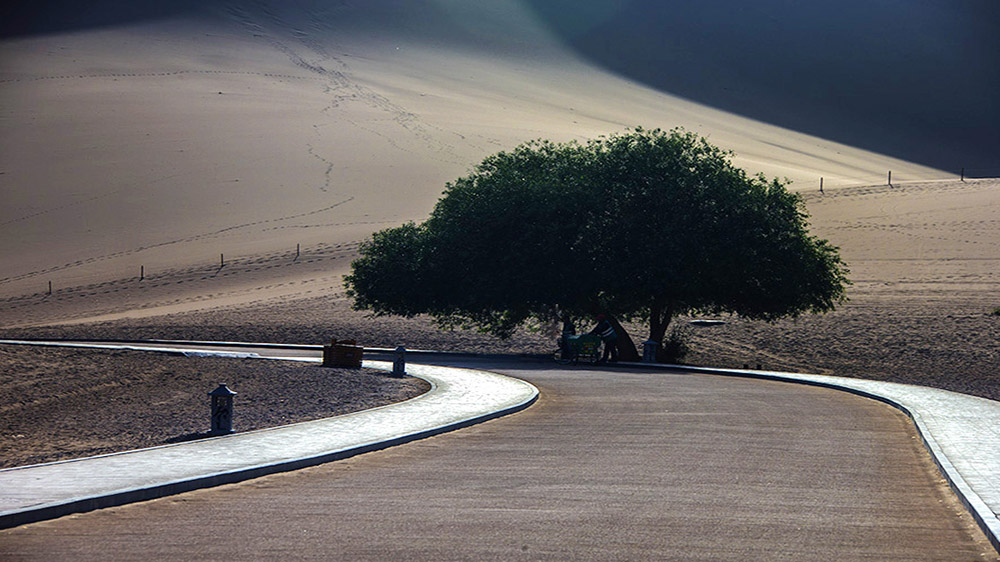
pixel 608 465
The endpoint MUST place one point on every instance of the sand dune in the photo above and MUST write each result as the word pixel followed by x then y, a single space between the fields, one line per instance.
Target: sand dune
pixel 913 80
pixel 160 140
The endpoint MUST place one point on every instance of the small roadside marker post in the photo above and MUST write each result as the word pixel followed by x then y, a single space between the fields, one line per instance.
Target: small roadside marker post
pixel 222 410
pixel 399 362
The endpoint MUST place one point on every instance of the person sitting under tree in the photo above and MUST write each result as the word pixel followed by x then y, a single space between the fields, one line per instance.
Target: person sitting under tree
pixel 568 330
pixel 609 336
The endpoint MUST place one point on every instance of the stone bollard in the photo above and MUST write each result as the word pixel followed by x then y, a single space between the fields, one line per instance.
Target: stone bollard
pixel 649 351
pixel 222 410
pixel 399 362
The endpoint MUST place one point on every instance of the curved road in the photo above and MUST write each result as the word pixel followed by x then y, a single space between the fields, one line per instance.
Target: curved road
pixel 608 465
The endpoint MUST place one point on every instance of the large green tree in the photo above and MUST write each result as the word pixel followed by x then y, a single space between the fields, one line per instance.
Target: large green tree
pixel 641 225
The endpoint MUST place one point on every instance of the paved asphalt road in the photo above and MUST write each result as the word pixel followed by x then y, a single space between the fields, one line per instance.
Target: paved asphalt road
pixel 606 466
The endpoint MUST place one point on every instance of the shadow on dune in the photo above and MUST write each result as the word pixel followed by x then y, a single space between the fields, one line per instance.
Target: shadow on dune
pixel 61 16
pixel 914 80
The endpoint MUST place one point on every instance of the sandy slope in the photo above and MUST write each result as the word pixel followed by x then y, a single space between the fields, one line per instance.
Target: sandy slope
pixel 922 257
pixel 916 80
pixel 245 129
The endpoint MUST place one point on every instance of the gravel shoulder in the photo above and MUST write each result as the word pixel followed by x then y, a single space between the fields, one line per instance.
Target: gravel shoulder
pixel 62 403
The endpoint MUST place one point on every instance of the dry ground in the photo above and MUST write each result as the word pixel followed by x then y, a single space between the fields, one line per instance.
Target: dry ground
pixel 950 343
pixel 64 403
pixel 921 311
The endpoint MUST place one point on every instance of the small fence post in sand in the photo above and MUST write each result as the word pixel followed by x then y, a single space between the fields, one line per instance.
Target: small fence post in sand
pixel 298 247
pixel 963 174
pixel 399 362
pixel 222 261
pixel 821 184
pixel 50 287
pixel 222 410
pixel 890 178
pixel 142 272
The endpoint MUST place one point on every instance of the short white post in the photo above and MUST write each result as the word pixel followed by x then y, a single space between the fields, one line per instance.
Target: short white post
pixel 399 362
pixel 222 410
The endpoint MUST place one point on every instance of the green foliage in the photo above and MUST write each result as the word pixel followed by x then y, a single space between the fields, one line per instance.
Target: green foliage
pixel 675 346
pixel 996 311
pixel 645 224
pixel 388 277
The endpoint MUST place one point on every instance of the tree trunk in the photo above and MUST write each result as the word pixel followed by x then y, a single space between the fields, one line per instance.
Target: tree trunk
pixel 660 315
pixel 626 347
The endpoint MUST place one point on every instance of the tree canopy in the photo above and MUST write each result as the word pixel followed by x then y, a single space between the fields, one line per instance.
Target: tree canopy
pixel 643 224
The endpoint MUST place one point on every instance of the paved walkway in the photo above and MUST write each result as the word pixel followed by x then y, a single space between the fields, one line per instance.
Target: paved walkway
pixel 771 468
pixel 458 397
pixel 961 432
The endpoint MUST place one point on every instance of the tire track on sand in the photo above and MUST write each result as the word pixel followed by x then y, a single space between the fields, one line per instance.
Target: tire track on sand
pixel 195 238
pixel 341 86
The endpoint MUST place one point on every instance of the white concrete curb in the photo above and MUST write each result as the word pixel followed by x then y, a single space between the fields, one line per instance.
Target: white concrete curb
pixel 961 432
pixel 458 398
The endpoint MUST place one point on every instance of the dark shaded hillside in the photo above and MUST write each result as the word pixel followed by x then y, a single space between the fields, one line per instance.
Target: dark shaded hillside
pixel 56 16
pixel 914 80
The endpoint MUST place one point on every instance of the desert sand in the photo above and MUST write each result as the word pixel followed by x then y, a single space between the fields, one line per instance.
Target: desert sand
pixel 241 131
pixel 921 312
pixel 208 171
